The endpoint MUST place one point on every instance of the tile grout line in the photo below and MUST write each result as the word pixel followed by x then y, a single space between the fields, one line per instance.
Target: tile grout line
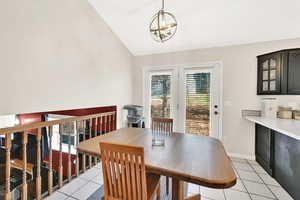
pixel 263 183
pixel 224 195
pixel 262 180
pixel 243 181
pixel 247 162
pixel 79 188
pixel 88 181
pixel 67 195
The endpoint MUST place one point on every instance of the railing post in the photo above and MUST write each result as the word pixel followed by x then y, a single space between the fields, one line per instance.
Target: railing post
pixel 38 180
pixel 115 120
pixel 105 123
pixel 60 166
pixel 109 123
pixel 100 125
pixel 50 173
pixel 96 127
pixel 7 166
pixel 95 135
pixel 24 186
pixel 69 157
pixel 83 155
pixel 77 153
pixel 90 136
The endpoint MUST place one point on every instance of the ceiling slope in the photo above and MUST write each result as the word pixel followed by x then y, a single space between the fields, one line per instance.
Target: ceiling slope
pixel 201 23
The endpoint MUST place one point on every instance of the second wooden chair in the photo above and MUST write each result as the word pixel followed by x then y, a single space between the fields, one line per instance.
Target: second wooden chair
pixel 163 125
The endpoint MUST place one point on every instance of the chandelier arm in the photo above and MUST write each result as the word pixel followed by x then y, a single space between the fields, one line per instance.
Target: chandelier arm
pixel 158 23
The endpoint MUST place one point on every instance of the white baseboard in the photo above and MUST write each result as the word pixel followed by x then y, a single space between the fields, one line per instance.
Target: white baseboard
pixel 242 156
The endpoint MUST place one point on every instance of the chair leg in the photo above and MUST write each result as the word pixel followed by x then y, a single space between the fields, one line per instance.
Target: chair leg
pixel 158 192
pixel 195 197
pixel 167 184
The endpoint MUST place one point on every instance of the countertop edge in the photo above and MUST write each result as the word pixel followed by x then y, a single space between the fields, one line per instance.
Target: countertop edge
pixel 273 124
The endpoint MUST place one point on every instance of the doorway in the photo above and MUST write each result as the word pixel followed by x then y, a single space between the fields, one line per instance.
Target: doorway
pixel 190 95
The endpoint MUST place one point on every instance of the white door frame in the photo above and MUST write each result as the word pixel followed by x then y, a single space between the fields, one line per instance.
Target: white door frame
pixel 177 69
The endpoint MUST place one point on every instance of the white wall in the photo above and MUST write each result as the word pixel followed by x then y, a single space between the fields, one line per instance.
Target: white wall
pixel 59 54
pixel 239 85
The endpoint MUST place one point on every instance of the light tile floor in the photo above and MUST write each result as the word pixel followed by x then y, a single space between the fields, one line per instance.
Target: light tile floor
pixel 253 184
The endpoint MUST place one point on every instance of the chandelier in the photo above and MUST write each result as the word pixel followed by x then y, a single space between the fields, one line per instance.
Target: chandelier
pixel 163 25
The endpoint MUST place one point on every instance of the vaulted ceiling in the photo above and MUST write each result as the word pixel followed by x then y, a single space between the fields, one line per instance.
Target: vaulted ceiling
pixel 201 23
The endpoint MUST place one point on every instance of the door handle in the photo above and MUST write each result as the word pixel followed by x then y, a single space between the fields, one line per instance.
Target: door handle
pixel 216 112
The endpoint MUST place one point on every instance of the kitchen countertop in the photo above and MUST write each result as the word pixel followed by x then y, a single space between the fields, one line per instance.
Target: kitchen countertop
pixel 287 127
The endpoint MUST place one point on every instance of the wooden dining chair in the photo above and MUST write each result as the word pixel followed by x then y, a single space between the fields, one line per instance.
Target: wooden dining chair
pixel 124 173
pixel 163 125
pixel 166 125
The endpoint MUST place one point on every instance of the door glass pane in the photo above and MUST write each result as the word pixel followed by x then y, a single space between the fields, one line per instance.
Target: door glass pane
pixel 266 65
pixel 265 85
pixel 197 103
pixel 273 74
pixel 160 95
pixel 272 85
pixel 272 63
pixel 265 75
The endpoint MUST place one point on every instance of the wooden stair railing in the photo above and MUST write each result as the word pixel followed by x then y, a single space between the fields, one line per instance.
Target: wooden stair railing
pixel 97 124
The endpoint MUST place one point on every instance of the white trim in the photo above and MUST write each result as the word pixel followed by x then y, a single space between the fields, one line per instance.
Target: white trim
pixel 177 67
pixel 242 156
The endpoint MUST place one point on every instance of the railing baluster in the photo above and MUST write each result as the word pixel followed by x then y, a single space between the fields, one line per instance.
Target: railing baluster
pixel 7 166
pixel 96 127
pixel 105 123
pixel 60 166
pixel 90 136
pixel 38 180
pixel 77 142
pixel 95 135
pixel 83 128
pixel 109 121
pixel 113 121
pixel 24 185
pixel 100 125
pixel 69 156
pixel 50 172
pixel 83 155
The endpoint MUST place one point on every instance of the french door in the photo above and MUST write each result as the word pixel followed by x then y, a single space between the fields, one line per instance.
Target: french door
pixel 190 95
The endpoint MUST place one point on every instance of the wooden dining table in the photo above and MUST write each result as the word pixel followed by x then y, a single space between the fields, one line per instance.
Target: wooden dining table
pixel 189 158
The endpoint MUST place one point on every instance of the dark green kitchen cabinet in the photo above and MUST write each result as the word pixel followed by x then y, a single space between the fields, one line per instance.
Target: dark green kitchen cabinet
pixel 293 72
pixel 264 140
pixel 278 73
pixel 279 155
pixel 287 163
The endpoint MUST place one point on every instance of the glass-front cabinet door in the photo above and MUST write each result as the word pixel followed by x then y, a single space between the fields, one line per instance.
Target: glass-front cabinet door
pixel 269 69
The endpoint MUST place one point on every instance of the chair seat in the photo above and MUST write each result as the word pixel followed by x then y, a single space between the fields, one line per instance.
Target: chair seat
pixel 153 181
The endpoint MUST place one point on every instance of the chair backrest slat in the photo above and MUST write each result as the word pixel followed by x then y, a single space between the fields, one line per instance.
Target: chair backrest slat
pixel 162 124
pixel 124 171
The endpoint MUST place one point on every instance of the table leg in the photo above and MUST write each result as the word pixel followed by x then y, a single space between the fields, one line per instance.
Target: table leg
pixel 177 189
